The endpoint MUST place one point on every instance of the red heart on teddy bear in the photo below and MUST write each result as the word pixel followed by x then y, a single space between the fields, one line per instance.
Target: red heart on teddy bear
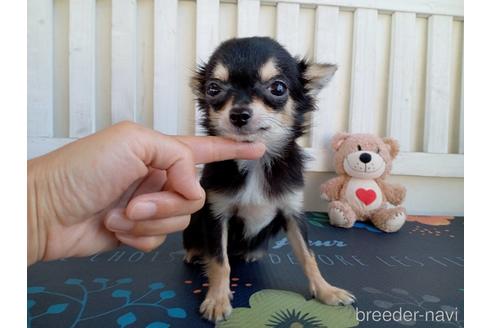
pixel 367 196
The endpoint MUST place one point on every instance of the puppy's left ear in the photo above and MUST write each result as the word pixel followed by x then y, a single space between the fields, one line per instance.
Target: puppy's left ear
pixel 317 76
pixel 393 145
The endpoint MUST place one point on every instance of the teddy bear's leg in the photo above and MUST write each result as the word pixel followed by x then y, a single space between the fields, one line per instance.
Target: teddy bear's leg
pixel 341 214
pixel 389 219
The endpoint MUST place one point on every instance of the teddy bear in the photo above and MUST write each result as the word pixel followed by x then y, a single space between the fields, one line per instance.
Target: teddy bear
pixel 360 192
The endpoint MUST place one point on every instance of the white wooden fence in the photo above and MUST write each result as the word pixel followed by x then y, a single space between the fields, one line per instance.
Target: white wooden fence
pixel 92 63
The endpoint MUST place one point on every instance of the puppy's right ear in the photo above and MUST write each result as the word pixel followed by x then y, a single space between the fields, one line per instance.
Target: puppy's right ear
pixel 197 81
pixel 338 139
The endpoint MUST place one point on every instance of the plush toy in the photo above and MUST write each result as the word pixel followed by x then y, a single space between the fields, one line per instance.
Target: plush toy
pixel 360 192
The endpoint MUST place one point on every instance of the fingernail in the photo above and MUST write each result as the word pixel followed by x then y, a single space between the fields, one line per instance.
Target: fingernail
pixel 116 222
pixel 143 210
pixel 200 189
pixel 261 148
pixel 197 192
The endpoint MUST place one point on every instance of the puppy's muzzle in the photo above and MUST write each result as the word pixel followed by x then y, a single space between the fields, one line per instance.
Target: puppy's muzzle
pixel 240 116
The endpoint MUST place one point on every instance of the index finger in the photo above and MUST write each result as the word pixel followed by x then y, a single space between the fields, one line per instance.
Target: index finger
pixel 213 149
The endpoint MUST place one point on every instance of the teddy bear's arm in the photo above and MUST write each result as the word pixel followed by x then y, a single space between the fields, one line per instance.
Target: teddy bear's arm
pixel 330 190
pixel 394 193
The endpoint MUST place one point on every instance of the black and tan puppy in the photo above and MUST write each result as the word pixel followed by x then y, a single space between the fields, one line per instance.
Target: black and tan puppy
pixel 252 89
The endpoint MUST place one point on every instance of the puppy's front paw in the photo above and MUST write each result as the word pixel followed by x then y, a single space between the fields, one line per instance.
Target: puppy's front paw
pixel 331 295
pixel 216 308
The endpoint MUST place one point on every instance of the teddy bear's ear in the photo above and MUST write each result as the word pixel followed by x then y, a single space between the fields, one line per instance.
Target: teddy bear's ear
pixel 338 140
pixel 394 146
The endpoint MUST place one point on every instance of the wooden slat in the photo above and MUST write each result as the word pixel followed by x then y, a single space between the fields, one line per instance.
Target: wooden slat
pixel 462 112
pixel 165 66
pixel 40 68
pixel 431 165
pixel 416 164
pixel 363 87
pixel 207 38
pixel 325 51
pixel 407 163
pixel 401 78
pixel 124 60
pixel 82 67
pixel 424 7
pixel 288 26
pixel 437 93
pixel 248 14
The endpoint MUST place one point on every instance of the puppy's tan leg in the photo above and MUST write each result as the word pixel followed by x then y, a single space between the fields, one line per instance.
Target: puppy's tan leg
pixel 217 303
pixel 319 287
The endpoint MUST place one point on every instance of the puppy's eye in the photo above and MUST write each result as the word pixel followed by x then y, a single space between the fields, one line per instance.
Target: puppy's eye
pixel 213 89
pixel 359 148
pixel 278 88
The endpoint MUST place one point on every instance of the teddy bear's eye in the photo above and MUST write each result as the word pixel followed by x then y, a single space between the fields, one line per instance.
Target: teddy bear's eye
pixel 378 150
pixel 359 148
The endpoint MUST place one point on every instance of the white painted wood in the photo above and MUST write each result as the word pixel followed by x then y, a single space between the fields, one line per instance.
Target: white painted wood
pixel 288 26
pixel 124 60
pixel 431 165
pixel 438 88
pixel 462 112
pixel 425 7
pixel 40 68
pixel 207 39
pixel 325 51
pixel 248 14
pixel 165 66
pixel 414 164
pixel 363 83
pixel 407 163
pixel 401 78
pixel 82 67
pixel 38 146
pixel 43 74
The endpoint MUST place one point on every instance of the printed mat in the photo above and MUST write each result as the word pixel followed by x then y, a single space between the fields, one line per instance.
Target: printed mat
pixel 410 278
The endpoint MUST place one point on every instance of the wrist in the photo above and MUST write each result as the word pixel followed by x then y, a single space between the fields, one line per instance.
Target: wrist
pixel 36 225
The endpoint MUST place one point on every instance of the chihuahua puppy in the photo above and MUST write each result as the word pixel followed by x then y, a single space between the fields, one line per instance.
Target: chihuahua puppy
pixel 253 90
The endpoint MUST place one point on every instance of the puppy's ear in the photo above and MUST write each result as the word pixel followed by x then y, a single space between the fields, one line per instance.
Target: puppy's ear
pixel 197 81
pixel 393 145
pixel 338 140
pixel 317 76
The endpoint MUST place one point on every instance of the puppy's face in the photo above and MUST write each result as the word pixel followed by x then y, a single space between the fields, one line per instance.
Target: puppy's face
pixel 252 89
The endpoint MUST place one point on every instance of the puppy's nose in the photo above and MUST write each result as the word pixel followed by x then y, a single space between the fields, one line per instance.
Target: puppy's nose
pixel 365 158
pixel 240 116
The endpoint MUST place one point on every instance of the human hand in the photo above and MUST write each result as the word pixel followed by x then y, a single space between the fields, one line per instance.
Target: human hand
pixel 123 184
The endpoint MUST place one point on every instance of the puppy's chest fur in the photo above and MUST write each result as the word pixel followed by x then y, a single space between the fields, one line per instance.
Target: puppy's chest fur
pixel 252 203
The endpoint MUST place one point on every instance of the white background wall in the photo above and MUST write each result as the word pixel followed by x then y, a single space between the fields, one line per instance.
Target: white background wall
pixel 426 194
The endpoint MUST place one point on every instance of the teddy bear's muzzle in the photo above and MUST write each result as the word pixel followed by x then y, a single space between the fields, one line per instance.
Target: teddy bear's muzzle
pixel 365 158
